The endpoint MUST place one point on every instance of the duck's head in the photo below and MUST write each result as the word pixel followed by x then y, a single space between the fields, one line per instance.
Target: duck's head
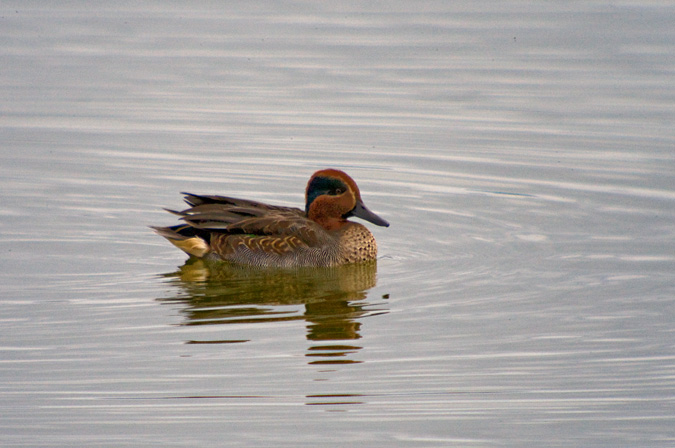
pixel 332 197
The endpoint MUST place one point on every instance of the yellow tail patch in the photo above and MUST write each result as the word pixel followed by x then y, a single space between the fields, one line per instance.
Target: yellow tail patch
pixel 194 246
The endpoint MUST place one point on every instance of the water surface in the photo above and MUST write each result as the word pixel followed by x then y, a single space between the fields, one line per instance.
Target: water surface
pixel 522 153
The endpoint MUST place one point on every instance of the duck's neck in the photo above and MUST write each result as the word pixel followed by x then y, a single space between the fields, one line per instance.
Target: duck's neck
pixel 331 224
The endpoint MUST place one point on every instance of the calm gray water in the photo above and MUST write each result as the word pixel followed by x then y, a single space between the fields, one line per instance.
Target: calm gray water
pixel 523 152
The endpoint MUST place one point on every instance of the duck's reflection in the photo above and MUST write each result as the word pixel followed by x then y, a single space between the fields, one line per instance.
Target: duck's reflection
pixel 330 300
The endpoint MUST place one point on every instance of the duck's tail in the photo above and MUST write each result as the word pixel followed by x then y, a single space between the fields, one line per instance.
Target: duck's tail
pixel 183 237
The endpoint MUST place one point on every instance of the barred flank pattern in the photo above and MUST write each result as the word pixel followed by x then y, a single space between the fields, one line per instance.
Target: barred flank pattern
pixel 272 251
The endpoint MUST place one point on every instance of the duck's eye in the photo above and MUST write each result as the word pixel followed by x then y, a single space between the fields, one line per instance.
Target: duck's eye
pixel 339 191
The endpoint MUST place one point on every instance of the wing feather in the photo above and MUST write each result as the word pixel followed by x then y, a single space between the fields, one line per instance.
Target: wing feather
pixel 282 226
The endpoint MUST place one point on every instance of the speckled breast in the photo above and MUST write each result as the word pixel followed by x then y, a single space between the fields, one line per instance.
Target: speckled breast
pixel 357 244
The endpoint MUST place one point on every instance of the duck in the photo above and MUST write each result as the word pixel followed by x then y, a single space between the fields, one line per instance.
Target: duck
pixel 248 232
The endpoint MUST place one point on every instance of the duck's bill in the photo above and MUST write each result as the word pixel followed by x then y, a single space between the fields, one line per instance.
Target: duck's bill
pixel 361 211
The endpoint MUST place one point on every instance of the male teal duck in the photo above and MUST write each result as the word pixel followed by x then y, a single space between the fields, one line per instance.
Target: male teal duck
pixel 249 232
